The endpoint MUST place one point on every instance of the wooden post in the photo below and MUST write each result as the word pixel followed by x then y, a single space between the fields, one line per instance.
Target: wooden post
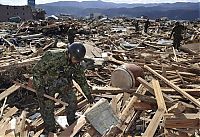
pixel 186 95
pixel 151 129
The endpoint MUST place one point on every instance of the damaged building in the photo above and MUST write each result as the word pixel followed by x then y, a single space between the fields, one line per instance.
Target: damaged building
pixel 7 12
pixel 26 12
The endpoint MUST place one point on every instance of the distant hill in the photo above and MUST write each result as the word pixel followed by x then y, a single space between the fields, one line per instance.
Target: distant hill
pixel 180 10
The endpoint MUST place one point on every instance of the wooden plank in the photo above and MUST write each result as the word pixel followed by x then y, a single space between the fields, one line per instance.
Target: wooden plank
pixel 79 88
pixel 175 57
pixel 21 63
pixel 74 128
pixel 3 127
pixel 37 134
pixel 132 112
pixel 10 112
pixel 133 121
pixel 151 129
pixel 159 96
pixel 182 123
pixel 186 95
pixel 126 112
pixel 22 131
pixel 151 90
pixel 112 90
pixel 177 108
pixel 114 104
pixel 45 95
pixel 9 91
pixel 153 124
pixel 2 108
pixel 125 99
pixel 143 106
pixel 179 75
pixel 183 116
pixel 10 131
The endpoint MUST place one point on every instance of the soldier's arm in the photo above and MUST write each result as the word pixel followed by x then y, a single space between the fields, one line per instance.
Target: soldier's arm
pixel 79 77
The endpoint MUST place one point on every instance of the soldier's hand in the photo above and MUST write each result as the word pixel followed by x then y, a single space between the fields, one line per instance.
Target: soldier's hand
pixel 91 99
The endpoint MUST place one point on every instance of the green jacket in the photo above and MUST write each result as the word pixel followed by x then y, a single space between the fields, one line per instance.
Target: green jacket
pixel 54 71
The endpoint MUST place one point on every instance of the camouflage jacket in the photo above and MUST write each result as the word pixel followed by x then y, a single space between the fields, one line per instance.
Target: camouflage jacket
pixel 55 71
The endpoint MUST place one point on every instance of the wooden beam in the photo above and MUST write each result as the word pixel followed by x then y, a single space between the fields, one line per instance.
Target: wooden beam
pixel 177 108
pixel 112 90
pixel 10 112
pixel 143 106
pixel 151 90
pixel 151 129
pixel 45 95
pixel 126 112
pixel 159 96
pixel 186 90
pixel 9 91
pixel 2 108
pixel 182 123
pixel 153 124
pixel 186 95
pixel 179 75
pixel 79 88
pixel 114 104
pixel 183 115
pixel 25 62
pixel 22 131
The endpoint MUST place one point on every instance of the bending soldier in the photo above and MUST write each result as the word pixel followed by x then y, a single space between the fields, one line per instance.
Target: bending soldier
pixel 54 74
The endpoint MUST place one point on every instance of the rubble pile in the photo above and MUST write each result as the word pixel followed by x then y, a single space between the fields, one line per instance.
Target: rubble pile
pixel 165 102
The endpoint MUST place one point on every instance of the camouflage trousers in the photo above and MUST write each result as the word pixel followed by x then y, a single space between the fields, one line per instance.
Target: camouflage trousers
pixel 177 42
pixel 47 105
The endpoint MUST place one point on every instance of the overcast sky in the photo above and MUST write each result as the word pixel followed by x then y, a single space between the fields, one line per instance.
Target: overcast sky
pixel 24 2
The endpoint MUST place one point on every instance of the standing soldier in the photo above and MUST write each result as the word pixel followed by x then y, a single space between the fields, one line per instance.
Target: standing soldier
pixel 146 25
pixel 177 35
pixel 71 33
pixel 137 26
pixel 54 74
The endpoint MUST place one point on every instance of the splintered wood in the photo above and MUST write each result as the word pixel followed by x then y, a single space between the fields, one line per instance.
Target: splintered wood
pixel 166 102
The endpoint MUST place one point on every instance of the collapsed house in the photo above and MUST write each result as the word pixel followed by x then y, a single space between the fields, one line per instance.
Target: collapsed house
pixel 142 86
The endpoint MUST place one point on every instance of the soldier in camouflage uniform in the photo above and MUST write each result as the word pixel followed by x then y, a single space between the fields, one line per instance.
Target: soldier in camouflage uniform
pixel 177 35
pixel 54 74
pixel 71 33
